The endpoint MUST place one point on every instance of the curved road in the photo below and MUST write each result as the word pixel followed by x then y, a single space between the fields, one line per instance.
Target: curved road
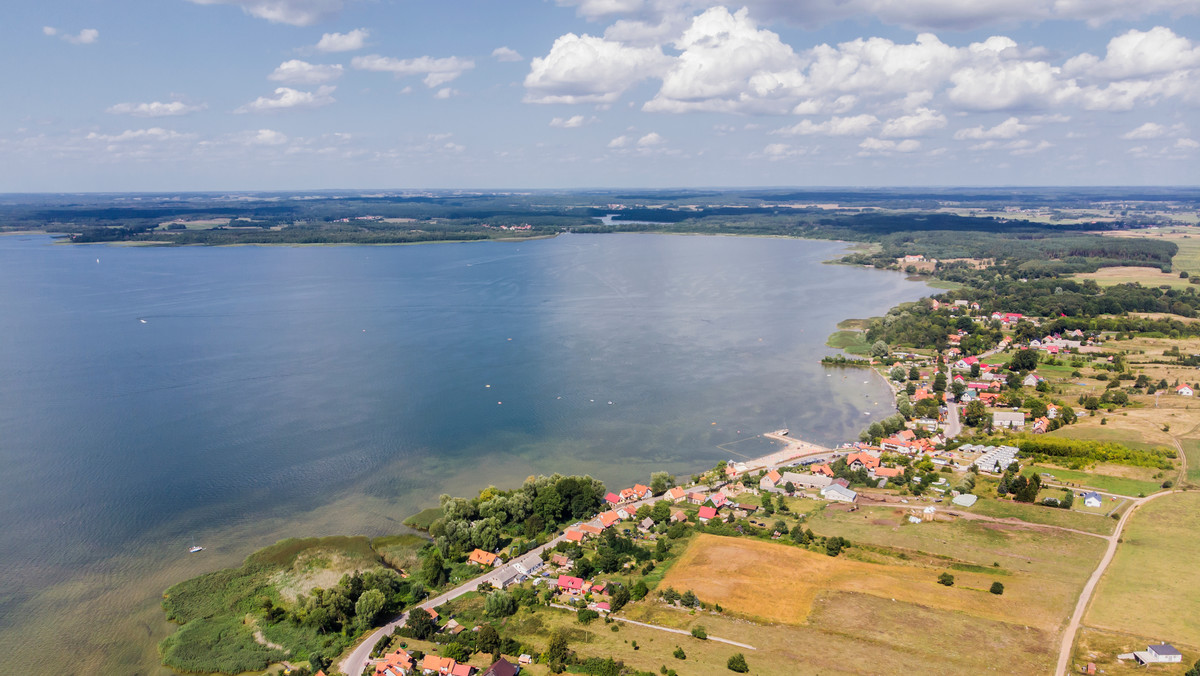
pixel 357 660
pixel 1068 639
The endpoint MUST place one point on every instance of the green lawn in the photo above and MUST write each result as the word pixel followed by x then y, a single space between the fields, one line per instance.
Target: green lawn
pixel 421 520
pixel 1111 484
pixel 854 342
pixel 1118 432
pixel 1150 587
pixel 1191 449
pixel 1046 515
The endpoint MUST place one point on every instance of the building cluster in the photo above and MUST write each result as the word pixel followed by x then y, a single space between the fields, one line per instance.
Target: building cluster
pixel 402 663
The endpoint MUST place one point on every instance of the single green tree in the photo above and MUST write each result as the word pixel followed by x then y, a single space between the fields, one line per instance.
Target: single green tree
pixel 488 640
pixel 997 588
pixel 699 632
pixel 500 604
pixel 433 569
pixel 421 624
pixel 946 579
pixel 679 654
pixel 457 652
pixel 879 349
pixel 369 606
pixel 737 663
pixel 557 652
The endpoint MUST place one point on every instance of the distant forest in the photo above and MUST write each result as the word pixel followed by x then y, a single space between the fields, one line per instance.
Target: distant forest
pixel 899 222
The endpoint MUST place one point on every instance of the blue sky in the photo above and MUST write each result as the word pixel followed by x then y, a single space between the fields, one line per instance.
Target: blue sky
pixel 306 94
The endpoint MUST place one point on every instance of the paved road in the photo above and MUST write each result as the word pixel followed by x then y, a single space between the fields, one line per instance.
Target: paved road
pixel 953 425
pixel 354 664
pixel 1068 639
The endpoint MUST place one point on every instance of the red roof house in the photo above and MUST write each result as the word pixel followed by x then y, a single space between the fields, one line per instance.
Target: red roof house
pixel 571 584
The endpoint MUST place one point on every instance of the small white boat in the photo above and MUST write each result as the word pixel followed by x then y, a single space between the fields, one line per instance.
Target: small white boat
pixel 142 321
pixel 194 548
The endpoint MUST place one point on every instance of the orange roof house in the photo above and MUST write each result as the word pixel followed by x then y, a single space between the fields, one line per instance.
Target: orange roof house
pixel 676 494
pixel 482 558
pixel 574 535
pixel 863 461
pixel 888 472
pixel 825 470
pixel 398 662
pixel 773 475
pixel 589 529
pixel 608 519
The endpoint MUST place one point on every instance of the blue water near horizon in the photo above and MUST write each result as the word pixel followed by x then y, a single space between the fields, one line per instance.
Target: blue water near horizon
pixel 151 394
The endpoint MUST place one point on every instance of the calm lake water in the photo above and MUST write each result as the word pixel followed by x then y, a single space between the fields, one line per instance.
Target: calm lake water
pixel 240 395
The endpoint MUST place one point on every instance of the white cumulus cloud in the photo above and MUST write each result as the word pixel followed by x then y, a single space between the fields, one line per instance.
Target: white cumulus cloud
pixel 266 137
pixel 437 71
pixel 506 54
pixel 875 146
pixel 916 14
pixel 834 126
pixel 728 64
pixel 1138 54
pixel 145 135
pixel 1145 131
pixel 155 109
pixel 650 140
pixel 86 36
pixel 1010 128
pixel 587 69
pixel 292 12
pixel 286 98
pixel 572 122
pixel 919 123
pixel 296 71
pixel 343 42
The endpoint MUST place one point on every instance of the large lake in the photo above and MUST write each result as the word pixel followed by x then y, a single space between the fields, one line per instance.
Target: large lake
pixel 239 395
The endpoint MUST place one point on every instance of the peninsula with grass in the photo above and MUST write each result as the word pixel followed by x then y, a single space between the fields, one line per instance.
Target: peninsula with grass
pixel 1029 500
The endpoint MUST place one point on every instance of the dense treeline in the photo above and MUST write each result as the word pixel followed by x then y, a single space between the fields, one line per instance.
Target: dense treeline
pixel 1041 447
pixel 918 325
pixel 1073 298
pixel 539 506
pixel 1019 249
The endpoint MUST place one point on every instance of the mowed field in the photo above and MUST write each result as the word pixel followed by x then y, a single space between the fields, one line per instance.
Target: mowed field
pixel 1187 239
pixel 891 615
pixel 1151 587
pixel 778 583
pixel 1129 274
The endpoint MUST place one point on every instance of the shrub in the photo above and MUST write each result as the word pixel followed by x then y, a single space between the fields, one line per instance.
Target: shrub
pixel 679 654
pixel 737 662
pixel 946 579
pixel 997 588
pixel 698 632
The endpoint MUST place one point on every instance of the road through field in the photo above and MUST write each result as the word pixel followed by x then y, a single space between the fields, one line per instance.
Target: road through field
pixel 1068 639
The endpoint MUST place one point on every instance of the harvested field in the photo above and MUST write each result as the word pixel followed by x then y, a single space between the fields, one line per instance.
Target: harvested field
pixel 779 583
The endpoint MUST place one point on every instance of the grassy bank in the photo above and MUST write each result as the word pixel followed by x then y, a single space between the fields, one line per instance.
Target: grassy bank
pixel 220 613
